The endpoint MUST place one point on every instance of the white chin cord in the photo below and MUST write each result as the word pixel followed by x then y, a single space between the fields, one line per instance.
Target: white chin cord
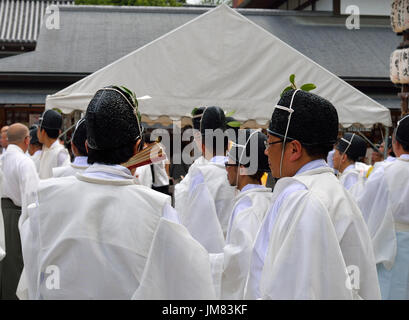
pixel 244 146
pixel 290 110
pixel 345 151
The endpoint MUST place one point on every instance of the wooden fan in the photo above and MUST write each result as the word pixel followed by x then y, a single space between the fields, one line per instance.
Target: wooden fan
pixel 151 154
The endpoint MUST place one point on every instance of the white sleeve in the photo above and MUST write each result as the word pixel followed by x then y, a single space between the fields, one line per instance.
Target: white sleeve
pixel 349 181
pixel 29 183
pixel 144 176
pixel 170 213
pixel 30 244
pixel 188 272
pixel 304 260
pixel 374 204
pixel 200 211
pixel 63 158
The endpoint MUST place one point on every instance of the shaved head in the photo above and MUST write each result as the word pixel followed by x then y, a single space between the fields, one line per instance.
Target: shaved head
pixel 17 132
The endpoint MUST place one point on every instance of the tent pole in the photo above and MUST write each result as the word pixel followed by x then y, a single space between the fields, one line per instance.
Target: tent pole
pixel 369 141
pixel 385 149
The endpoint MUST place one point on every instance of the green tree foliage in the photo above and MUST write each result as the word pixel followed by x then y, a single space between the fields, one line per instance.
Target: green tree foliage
pixel 162 3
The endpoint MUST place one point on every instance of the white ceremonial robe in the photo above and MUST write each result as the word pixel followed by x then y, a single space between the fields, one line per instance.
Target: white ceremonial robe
pixel 353 178
pixel 55 156
pixel 208 202
pixel 303 259
pixel 384 204
pixel 250 207
pixel 36 159
pixel 314 190
pixel 20 178
pixel 93 231
pixel 143 176
pixel 2 240
pixel 182 188
pixel 178 267
pixel 161 176
pixel 79 165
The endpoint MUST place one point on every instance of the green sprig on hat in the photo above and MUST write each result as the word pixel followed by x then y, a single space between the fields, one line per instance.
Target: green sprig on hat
pixel 305 87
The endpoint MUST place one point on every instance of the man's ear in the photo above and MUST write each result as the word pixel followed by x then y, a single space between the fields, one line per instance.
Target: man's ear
pixel 344 157
pixel 203 149
pixel 295 149
pixel 136 146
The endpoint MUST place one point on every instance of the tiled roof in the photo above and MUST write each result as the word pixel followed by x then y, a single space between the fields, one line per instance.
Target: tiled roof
pixel 92 37
pixel 20 20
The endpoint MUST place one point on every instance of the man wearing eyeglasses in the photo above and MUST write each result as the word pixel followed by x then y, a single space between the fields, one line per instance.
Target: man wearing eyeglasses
pixel 313 242
pixel 245 167
pixel 20 181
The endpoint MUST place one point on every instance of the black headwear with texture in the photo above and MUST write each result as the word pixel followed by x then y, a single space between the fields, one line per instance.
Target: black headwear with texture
pixel 253 138
pixel 314 120
pixel 402 131
pixel 111 120
pixel 80 135
pixel 33 135
pixel 197 117
pixel 213 118
pixel 50 119
pixel 353 146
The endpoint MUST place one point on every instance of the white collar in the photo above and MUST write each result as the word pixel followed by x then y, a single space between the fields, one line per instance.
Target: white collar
pixel 219 160
pixel 312 165
pixel 14 148
pixel 110 172
pixel 81 161
pixel 251 186
pixel 404 156
pixel 349 168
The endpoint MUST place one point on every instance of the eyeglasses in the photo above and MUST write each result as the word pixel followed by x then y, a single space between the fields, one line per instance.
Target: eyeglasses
pixel 267 144
pixel 230 164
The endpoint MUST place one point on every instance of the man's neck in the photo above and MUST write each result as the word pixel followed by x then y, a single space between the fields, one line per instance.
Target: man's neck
pixel 345 165
pixel 49 142
pixel 20 145
pixel 246 180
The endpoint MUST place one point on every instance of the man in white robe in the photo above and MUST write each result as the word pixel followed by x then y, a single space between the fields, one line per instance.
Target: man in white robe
pixel 313 242
pixel 20 181
pixel 2 240
pixel 35 147
pixel 390 158
pixel 385 206
pixel 53 154
pixel 206 197
pixel 245 167
pixel 78 149
pixel 88 236
pixel 348 151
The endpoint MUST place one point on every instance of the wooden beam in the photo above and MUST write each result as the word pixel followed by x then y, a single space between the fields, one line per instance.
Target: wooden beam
pixel 306 4
pixel 265 4
pixel 336 7
pixel 277 3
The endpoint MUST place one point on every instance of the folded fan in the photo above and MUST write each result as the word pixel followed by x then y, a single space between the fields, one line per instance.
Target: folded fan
pixel 151 154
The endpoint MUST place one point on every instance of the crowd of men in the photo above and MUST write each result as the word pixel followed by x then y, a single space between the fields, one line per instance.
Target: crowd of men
pixel 332 227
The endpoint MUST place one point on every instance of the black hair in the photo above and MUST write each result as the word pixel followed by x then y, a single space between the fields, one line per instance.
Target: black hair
pixel 52 133
pixel 113 156
pixel 257 176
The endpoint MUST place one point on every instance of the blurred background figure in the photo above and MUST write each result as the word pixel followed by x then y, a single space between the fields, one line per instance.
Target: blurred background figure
pixel 35 147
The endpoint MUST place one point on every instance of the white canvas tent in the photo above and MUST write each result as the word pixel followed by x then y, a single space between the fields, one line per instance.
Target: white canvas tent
pixel 220 58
